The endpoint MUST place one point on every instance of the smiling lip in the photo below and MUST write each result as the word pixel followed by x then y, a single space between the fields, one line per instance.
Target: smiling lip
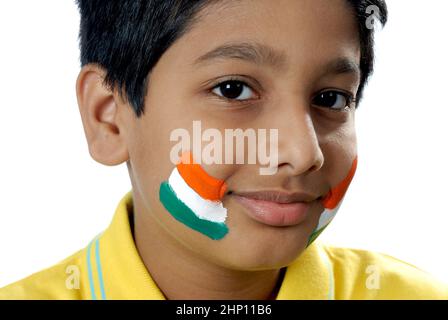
pixel 274 208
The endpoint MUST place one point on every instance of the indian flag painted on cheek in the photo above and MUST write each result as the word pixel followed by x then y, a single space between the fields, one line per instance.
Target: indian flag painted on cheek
pixel 332 202
pixel 193 197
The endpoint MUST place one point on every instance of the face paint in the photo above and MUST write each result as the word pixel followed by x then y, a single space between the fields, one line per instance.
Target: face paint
pixel 332 202
pixel 193 197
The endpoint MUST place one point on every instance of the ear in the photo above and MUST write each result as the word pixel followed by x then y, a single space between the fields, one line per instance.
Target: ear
pixel 99 108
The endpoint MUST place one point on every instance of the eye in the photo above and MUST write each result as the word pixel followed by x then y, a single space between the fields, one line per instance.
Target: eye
pixel 335 100
pixel 233 90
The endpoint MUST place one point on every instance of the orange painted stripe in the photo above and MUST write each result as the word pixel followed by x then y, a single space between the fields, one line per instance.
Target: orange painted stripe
pixel 336 194
pixel 199 180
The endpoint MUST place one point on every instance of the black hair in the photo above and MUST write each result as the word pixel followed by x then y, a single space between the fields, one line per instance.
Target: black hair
pixel 364 9
pixel 128 37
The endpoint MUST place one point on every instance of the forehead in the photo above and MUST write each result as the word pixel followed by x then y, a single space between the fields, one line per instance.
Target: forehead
pixel 291 31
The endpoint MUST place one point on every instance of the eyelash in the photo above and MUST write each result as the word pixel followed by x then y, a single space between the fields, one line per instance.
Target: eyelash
pixel 231 80
pixel 351 100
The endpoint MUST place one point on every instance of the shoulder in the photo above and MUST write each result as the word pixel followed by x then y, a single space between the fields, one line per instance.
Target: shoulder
pixel 60 281
pixel 364 274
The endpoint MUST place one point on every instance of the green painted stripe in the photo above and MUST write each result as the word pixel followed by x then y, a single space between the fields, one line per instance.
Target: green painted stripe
pixel 184 214
pixel 314 235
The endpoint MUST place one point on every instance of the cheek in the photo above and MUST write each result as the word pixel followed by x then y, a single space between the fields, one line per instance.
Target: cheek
pixel 149 158
pixel 341 159
pixel 153 165
pixel 339 147
pixel 333 200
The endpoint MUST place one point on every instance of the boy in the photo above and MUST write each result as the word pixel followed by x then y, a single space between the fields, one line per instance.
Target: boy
pixel 199 224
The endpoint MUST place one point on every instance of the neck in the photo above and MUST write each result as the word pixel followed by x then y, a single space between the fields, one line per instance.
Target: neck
pixel 180 273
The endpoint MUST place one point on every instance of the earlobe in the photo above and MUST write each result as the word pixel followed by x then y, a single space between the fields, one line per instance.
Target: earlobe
pixel 99 115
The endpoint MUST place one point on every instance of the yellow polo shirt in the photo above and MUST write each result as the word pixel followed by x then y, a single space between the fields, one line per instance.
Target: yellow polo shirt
pixel 109 267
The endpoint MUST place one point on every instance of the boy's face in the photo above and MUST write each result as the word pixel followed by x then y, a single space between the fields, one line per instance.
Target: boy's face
pixel 316 145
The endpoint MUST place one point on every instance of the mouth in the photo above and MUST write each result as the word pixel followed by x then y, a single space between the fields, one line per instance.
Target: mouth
pixel 274 208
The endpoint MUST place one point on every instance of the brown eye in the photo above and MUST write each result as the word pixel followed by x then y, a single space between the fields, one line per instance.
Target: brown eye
pixel 233 90
pixel 333 100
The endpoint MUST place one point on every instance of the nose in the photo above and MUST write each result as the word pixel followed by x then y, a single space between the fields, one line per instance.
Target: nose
pixel 299 151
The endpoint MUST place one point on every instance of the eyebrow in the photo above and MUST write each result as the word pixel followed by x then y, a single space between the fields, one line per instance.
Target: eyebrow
pixel 342 65
pixel 261 54
pixel 252 52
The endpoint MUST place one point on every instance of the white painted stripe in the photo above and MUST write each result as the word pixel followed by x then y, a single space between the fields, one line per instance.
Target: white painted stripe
pixel 203 208
pixel 327 216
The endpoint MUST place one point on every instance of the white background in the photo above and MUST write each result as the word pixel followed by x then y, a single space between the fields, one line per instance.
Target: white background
pixel 55 198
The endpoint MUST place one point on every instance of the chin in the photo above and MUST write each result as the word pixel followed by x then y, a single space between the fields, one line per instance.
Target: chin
pixel 264 248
